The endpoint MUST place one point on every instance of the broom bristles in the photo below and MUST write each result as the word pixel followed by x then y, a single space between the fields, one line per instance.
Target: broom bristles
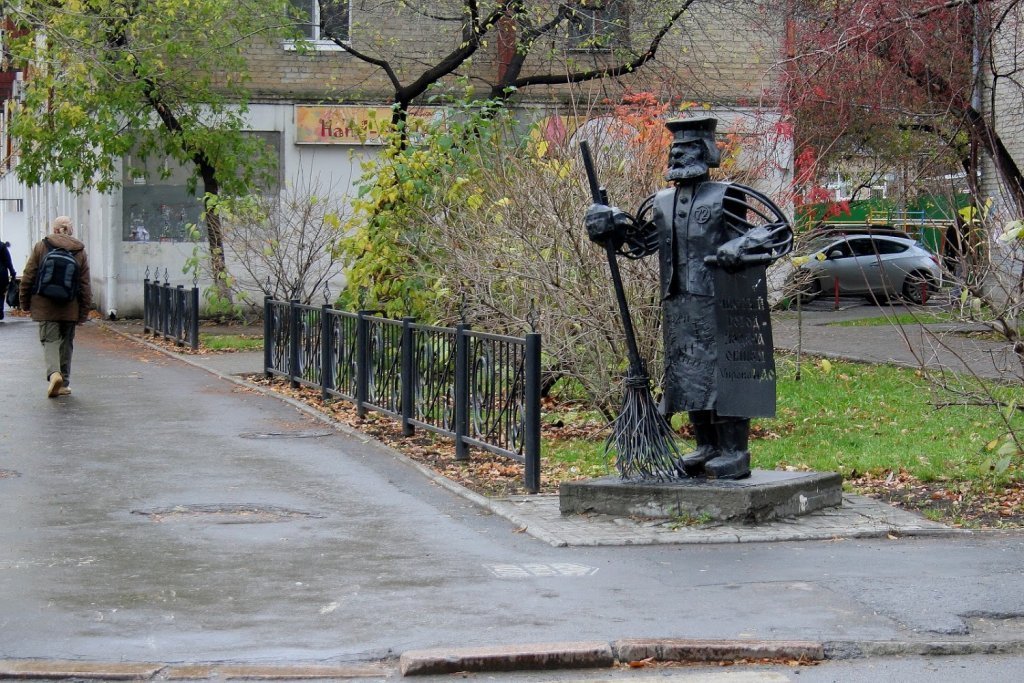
pixel 644 442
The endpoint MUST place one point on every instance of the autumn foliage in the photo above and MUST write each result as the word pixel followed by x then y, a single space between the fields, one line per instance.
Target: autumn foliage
pixel 872 77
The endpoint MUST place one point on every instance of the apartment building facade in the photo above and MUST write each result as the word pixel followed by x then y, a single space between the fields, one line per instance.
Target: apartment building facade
pixel 318 108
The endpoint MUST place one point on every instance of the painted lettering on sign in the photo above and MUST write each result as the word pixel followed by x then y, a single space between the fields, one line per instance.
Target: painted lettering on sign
pixel 348 125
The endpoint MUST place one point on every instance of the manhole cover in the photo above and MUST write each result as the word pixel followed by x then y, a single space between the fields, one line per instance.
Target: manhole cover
pixel 283 435
pixel 9 474
pixel 226 514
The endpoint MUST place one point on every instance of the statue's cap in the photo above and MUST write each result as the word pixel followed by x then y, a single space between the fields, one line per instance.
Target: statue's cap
pixel 688 130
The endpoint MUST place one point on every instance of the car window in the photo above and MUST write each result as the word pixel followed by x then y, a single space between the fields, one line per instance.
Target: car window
pixel 891 246
pixel 842 247
pixel 862 246
pixel 876 246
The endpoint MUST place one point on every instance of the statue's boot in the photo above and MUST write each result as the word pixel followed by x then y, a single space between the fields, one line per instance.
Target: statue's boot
pixel 734 461
pixel 706 436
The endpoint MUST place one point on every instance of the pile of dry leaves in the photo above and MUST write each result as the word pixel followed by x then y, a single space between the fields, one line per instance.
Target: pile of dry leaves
pixel 978 505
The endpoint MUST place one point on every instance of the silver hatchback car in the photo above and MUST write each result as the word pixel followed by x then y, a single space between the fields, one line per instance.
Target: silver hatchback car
pixel 875 266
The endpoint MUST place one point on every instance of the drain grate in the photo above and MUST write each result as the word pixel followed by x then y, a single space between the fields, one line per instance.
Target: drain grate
pixel 283 435
pixel 227 514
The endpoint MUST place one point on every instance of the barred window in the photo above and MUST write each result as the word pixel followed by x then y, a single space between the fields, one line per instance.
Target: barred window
pixel 598 25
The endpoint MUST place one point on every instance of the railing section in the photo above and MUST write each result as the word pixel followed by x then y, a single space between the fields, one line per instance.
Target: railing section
pixel 481 389
pixel 171 312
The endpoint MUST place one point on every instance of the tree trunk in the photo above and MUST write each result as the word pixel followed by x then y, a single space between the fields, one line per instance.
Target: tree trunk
pixel 214 230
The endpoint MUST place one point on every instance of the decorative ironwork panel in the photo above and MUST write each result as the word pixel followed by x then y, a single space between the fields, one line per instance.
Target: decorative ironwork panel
pixel 385 357
pixel 497 367
pixel 434 363
pixel 343 353
pixel 174 319
pixel 308 367
pixel 280 336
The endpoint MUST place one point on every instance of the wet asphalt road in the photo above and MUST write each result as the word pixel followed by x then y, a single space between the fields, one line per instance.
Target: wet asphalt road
pixel 142 521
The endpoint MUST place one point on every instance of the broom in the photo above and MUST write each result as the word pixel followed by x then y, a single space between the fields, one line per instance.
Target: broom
pixel 643 440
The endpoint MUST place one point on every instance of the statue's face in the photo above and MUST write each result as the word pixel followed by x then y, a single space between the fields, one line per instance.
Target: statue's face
pixel 686 160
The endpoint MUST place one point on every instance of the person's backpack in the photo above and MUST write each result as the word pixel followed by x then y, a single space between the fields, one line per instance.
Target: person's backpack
pixel 57 278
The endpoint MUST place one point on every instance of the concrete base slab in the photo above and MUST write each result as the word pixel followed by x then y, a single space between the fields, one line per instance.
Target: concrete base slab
pixel 764 496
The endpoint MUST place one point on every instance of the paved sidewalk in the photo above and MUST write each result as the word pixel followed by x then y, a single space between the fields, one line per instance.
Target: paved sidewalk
pixel 150 531
pixel 539 516
pixel 938 346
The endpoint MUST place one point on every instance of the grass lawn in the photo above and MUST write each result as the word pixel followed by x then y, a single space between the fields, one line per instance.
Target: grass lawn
pixel 925 318
pixel 231 342
pixel 849 418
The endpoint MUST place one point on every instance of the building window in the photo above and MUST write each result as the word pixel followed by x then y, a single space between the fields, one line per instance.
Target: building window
pixel 325 18
pixel 157 204
pixel 598 26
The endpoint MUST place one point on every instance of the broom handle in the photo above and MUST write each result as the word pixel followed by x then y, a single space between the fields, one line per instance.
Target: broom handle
pixel 601 197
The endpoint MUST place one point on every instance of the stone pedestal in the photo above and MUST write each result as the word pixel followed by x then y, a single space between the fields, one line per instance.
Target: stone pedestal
pixel 764 496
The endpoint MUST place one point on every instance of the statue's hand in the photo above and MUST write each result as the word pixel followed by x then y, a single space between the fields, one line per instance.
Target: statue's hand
pixel 729 257
pixel 604 224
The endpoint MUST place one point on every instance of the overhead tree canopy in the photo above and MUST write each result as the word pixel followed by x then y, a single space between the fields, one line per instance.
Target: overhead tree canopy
pixel 538 43
pixel 154 78
pixel 862 75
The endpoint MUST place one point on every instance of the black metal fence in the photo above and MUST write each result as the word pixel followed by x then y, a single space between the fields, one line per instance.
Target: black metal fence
pixel 481 389
pixel 171 311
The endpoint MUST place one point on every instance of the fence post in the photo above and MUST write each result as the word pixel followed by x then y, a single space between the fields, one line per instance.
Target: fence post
pixel 193 336
pixel 268 336
pixel 179 318
pixel 146 306
pixel 362 362
pixel 326 351
pixel 409 378
pixel 294 365
pixel 835 302
pixel 531 414
pixel 461 391
pixel 165 309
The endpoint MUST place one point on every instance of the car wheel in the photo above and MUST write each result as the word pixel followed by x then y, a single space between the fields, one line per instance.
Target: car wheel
pixel 915 287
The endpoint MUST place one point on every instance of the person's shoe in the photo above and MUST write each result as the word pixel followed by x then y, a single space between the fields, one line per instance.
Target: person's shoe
pixel 64 391
pixel 56 382
pixel 729 465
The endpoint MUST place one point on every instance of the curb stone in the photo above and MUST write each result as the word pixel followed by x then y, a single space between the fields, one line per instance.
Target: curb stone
pixel 526 657
pixel 592 655
pixel 843 649
pixel 695 650
pixel 582 655
pixel 107 671
pixel 140 671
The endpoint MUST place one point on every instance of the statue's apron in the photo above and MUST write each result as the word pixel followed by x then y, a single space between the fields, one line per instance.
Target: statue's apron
pixel 717 327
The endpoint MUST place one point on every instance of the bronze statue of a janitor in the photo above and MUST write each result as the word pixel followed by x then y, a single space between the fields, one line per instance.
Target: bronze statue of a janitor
pixel 714 241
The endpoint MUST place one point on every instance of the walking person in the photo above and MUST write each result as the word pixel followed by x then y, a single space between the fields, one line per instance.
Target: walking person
pixel 55 289
pixel 7 274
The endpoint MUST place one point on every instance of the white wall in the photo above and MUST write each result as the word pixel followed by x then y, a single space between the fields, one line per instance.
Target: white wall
pixel 118 267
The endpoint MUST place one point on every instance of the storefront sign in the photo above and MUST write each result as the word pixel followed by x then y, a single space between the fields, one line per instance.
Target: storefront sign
pixel 345 125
